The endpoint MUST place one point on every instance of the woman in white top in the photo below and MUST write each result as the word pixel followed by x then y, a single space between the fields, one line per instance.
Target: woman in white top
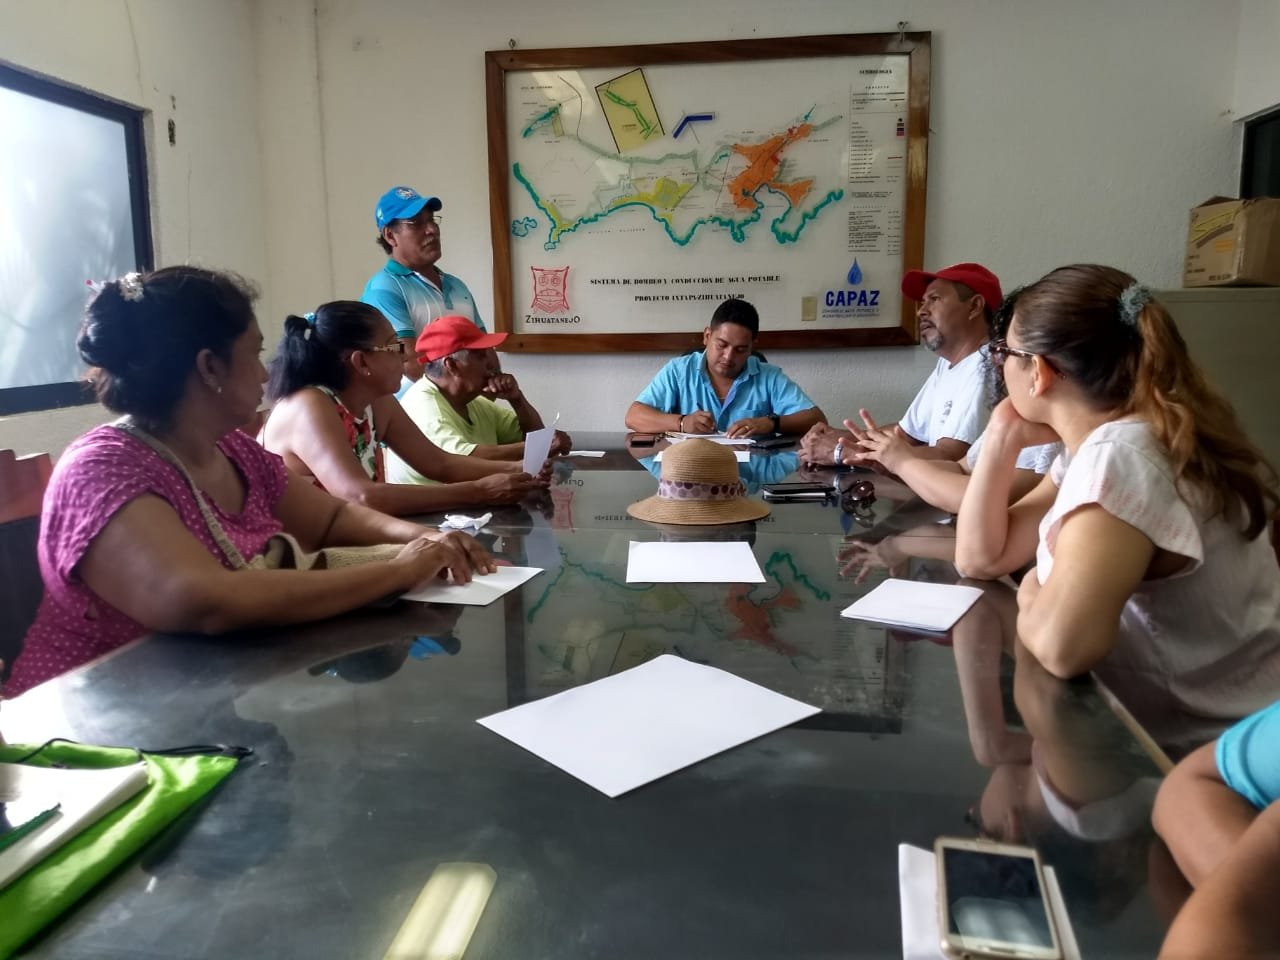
pixel 1149 533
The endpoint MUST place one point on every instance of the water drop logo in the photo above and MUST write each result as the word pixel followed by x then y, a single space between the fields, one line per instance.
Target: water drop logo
pixel 855 274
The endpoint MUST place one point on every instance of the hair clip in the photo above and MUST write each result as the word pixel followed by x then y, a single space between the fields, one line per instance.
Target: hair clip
pixel 311 324
pixel 1132 300
pixel 131 286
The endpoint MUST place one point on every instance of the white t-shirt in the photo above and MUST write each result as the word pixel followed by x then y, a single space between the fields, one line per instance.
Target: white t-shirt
pixel 1196 650
pixel 1038 458
pixel 953 403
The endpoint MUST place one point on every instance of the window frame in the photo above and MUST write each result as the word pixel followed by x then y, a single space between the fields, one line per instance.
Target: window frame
pixel 50 396
pixel 1248 150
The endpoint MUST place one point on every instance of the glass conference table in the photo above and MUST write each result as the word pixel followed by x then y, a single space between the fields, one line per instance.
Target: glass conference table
pixel 369 769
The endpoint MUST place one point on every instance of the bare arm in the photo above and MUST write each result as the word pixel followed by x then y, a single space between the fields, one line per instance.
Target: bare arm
pixel 148 565
pixel 1233 912
pixel 793 424
pixel 319 442
pixel 1198 816
pixel 641 416
pixel 992 537
pixel 1071 622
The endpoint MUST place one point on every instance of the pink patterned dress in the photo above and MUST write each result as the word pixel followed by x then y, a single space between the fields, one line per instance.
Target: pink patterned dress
pixel 95 477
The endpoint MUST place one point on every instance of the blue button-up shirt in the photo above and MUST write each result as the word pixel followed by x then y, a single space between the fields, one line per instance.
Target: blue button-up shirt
pixel 761 389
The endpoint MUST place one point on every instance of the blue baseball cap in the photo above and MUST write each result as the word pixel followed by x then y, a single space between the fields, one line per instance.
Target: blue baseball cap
pixel 401 203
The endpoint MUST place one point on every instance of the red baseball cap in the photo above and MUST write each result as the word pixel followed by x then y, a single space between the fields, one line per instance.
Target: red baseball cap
pixel 973 275
pixel 451 334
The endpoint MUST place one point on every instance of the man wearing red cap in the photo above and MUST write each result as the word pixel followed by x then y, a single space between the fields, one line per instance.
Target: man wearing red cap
pixel 957 305
pixel 453 402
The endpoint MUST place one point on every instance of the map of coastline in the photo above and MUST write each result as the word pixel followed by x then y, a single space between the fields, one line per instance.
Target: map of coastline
pixel 730 186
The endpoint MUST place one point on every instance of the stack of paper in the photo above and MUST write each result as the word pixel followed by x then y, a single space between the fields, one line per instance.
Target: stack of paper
pixel 624 731
pixel 928 607
pixel 47 806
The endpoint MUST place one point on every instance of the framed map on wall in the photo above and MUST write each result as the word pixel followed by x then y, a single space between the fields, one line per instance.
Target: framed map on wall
pixel 632 189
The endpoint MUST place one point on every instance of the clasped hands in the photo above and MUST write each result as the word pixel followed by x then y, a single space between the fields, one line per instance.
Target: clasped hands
pixel 868 445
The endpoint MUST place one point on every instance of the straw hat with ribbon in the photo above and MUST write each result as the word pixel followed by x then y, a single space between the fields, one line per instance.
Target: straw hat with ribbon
pixel 699 484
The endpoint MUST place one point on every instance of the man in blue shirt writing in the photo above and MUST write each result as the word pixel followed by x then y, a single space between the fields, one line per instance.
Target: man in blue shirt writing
pixel 724 389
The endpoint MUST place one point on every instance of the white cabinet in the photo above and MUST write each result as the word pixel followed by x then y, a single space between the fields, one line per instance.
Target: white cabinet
pixel 1234 334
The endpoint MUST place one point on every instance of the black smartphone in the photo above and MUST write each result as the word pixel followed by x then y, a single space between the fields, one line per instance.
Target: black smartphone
pixel 642 439
pixel 776 441
pixel 795 492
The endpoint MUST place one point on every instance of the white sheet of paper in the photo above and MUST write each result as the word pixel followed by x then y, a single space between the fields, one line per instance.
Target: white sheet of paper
pixel 918 894
pixel 692 563
pixel 714 438
pixel 585 453
pixel 537 444
pixel 629 729
pixel 933 607
pixel 479 592
pixel 742 456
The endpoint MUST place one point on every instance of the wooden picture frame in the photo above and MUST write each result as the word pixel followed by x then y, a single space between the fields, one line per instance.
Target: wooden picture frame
pixel 780 328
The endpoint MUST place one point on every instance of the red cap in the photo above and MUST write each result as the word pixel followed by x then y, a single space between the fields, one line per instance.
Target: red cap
pixel 448 335
pixel 973 275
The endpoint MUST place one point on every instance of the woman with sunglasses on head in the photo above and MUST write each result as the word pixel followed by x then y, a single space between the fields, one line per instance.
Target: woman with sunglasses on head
pixel 333 382
pixel 160 521
pixel 1149 533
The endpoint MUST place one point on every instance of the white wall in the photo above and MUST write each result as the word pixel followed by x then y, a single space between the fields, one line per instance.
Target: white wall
pixel 1059 132
pixel 1257 79
pixel 189 60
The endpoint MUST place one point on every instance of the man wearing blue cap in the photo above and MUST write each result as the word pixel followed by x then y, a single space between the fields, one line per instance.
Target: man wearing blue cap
pixel 410 290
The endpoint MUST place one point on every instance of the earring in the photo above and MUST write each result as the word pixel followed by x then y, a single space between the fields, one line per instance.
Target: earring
pixel 214 386
pixel 1031 391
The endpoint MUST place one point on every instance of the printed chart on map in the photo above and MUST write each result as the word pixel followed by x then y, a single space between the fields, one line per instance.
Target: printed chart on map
pixel 638 197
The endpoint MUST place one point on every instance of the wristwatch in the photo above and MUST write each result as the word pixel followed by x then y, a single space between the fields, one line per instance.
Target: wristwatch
pixel 837 455
pixel 773 419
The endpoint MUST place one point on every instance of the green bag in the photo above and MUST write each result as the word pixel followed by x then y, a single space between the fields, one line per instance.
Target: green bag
pixel 40 895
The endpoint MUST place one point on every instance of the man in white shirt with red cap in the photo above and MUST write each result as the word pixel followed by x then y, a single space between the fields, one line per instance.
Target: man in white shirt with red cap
pixel 957 306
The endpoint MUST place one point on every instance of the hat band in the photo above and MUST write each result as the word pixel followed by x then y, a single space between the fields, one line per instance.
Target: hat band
pixel 688 490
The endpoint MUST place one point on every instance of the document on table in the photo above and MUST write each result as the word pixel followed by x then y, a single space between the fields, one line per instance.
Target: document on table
pixel 53 804
pixel 714 438
pixel 629 729
pixel 594 454
pixel 716 562
pixel 481 591
pixel 537 445
pixel 742 456
pixel 918 896
pixel 931 607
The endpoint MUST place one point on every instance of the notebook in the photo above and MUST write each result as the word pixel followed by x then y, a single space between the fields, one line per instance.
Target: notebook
pixel 47 806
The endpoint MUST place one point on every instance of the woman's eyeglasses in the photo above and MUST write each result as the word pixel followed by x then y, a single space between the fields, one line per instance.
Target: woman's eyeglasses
pixel 1001 351
pixel 397 347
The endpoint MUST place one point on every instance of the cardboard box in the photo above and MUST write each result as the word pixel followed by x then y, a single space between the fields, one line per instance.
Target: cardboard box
pixel 1233 243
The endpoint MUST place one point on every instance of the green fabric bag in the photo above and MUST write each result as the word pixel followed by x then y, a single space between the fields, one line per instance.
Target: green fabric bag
pixel 41 894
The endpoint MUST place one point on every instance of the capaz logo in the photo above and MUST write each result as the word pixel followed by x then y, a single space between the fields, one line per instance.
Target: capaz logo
pixel 853 297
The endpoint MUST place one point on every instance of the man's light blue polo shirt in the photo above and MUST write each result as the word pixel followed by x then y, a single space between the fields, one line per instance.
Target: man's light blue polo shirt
pixel 683 386
pixel 411 301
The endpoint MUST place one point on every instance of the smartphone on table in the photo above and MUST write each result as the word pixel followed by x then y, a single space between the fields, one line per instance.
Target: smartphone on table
pixel 796 492
pixel 642 439
pixel 992 902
